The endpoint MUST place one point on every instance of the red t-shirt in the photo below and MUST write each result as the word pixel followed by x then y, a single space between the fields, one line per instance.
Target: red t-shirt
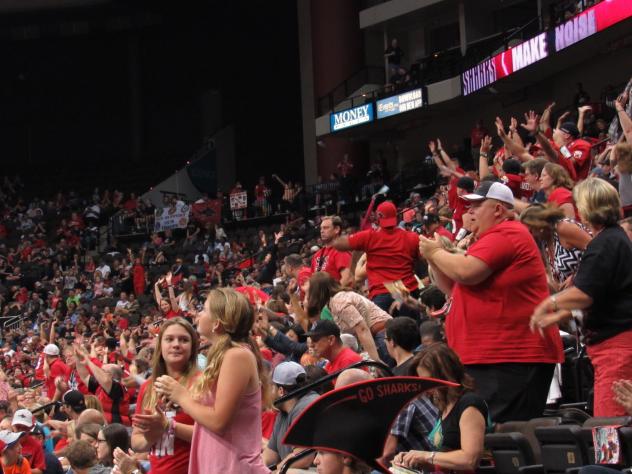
pixel 514 182
pixel 33 451
pixel 488 323
pixel 391 255
pixel 462 206
pixel 171 314
pixel 345 358
pixel 268 419
pixel 443 232
pixel 561 196
pixel 578 164
pixel 57 369
pixel 332 261
pixel 178 462
pixel 452 193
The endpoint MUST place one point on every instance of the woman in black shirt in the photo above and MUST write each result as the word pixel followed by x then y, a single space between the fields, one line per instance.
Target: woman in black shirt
pixel 459 434
pixel 603 287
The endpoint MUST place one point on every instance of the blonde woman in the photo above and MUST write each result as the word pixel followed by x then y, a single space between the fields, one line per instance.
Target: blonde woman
pixel 602 285
pixel 166 431
pixel 226 400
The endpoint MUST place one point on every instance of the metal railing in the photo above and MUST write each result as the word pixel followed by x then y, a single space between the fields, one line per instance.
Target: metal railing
pixel 435 67
pixel 340 93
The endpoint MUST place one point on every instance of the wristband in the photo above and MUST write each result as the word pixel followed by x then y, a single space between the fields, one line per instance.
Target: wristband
pixel 554 302
pixel 484 154
pixel 432 457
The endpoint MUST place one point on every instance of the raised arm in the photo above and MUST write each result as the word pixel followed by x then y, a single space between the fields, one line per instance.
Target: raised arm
pixel 52 333
pixel 532 126
pixel 561 119
pixel 342 243
pixel 444 156
pixel 545 120
pixel 157 295
pixel 624 119
pixel 281 182
pixel 172 295
pixel 483 158
pixel 513 132
pixel 582 111
pixel 515 148
pixel 103 378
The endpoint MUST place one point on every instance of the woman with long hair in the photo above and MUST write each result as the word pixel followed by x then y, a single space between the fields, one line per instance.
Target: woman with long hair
pixel 459 434
pixel 226 400
pixel 561 240
pixel 557 186
pixel 109 438
pixel 166 431
pixel 352 313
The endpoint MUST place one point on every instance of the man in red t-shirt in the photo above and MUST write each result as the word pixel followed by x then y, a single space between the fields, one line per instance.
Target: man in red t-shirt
pixel 495 288
pixel 460 206
pixel 573 153
pixel 294 268
pixel 391 254
pixel 32 449
pixel 328 259
pixel 325 338
pixel 53 367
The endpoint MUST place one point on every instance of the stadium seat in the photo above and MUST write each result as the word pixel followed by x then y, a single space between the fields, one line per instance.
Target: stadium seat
pixel 562 448
pixel 514 445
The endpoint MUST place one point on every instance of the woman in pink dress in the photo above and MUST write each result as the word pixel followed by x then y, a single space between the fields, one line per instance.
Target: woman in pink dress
pixel 226 400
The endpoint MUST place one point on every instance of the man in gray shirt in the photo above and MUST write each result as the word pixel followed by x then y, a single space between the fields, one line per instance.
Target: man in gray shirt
pixel 287 377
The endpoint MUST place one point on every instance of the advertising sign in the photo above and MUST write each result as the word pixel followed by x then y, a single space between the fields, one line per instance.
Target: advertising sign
pixel 581 26
pixel 399 103
pixel 351 117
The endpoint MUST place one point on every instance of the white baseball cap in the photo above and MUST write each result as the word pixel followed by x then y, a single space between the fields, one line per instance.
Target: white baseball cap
pixel 286 373
pixel 51 350
pixel 8 439
pixel 23 418
pixel 491 190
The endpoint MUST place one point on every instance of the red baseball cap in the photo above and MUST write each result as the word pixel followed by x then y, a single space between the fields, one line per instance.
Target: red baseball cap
pixel 387 214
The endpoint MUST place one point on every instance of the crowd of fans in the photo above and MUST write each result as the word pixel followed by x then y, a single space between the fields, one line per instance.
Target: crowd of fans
pixel 166 355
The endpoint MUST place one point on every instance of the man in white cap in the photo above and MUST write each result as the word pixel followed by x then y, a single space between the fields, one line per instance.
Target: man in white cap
pixel 287 377
pixel 12 459
pixel 53 367
pixel 495 287
pixel 32 449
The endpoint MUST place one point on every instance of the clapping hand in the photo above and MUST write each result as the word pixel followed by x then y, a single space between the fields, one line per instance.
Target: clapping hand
pixel 170 388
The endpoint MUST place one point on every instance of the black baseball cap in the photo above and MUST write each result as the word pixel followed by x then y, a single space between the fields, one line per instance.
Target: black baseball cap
pixel 323 328
pixel 74 399
pixel 570 128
